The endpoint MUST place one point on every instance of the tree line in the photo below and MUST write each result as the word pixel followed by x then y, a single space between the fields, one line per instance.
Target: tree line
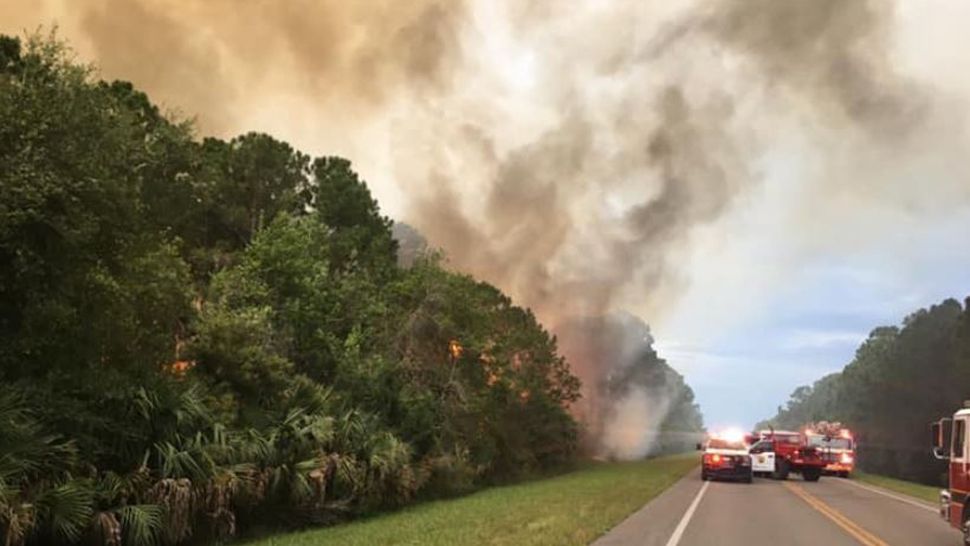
pixel 901 379
pixel 204 338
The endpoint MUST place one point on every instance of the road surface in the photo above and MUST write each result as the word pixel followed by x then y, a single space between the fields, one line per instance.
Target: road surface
pixel 831 512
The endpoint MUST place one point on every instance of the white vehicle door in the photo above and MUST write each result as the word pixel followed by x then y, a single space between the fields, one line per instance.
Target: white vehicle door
pixel 762 457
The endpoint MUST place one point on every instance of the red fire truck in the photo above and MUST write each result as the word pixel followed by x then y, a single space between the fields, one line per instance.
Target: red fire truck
pixel 950 444
pixel 777 453
pixel 836 444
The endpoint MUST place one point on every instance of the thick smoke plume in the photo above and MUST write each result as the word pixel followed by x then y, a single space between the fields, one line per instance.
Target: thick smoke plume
pixel 635 402
pixel 565 151
pixel 833 54
pixel 657 130
pixel 214 58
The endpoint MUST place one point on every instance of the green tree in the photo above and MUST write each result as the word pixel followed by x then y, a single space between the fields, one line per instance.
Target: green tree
pixel 362 236
pixel 900 379
pixel 206 337
pixel 84 280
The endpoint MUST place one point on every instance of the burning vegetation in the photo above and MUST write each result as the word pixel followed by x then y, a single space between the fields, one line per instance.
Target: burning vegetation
pixel 568 163
pixel 634 403
pixel 572 173
pixel 312 377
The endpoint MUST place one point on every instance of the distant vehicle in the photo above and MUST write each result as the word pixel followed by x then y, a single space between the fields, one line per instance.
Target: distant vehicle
pixel 836 444
pixel 726 458
pixel 950 444
pixel 780 452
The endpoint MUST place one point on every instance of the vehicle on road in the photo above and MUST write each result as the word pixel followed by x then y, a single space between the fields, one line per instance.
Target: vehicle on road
pixel 950 444
pixel 836 444
pixel 726 458
pixel 779 453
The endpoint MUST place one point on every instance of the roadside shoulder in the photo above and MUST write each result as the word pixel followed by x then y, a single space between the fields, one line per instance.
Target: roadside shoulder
pixel 656 521
pixel 923 495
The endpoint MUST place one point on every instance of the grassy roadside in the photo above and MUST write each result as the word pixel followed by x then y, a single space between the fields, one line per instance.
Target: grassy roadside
pixel 922 492
pixel 573 508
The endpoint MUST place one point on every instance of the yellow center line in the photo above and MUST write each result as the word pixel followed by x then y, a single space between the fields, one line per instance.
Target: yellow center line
pixel 854 530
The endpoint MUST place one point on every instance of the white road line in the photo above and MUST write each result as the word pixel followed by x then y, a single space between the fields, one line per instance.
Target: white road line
pixel 892 496
pixel 679 531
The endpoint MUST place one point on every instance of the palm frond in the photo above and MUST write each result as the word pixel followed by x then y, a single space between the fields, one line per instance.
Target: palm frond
pixel 26 450
pixel 314 397
pixel 64 511
pixel 141 523
pixel 190 461
pixel 191 407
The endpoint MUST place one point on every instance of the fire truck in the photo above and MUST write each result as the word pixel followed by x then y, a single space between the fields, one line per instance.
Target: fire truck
pixel 836 444
pixel 777 453
pixel 950 444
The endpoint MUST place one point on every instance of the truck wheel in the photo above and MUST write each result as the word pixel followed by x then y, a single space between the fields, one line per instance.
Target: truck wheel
pixel 781 470
pixel 747 479
pixel 811 474
pixel 844 474
pixel 966 531
pixel 704 476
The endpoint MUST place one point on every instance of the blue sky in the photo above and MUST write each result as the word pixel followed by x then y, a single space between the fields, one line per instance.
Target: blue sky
pixel 748 359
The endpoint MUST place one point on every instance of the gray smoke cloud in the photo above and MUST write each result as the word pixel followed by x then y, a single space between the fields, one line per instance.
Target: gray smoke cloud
pixel 833 54
pixel 630 390
pixel 566 152
pixel 665 153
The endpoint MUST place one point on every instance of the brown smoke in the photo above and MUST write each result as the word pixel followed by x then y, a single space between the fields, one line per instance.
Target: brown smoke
pixel 678 158
pixel 566 152
pixel 210 58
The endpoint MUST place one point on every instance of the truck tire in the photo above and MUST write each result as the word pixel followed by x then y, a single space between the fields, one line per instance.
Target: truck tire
pixel 811 474
pixel 966 530
pixel 844 474
pixel 748 479
pixel 781 470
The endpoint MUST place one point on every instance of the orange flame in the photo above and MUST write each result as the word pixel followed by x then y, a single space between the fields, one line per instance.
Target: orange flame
pixel 179 368
pixel 455 349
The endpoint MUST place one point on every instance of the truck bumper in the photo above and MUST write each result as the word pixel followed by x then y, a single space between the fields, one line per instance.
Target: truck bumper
pixel 736 472
pixel 838 468
pixel 945 500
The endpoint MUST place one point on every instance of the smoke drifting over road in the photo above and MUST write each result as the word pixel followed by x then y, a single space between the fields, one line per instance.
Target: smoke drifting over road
pixel 563 151
pixel 634 402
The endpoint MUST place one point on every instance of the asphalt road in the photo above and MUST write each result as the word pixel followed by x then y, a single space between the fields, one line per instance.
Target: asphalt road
pixel 831 512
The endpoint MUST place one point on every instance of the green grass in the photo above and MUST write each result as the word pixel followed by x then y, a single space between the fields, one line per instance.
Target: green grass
pixel 573 508
pixel 923 492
